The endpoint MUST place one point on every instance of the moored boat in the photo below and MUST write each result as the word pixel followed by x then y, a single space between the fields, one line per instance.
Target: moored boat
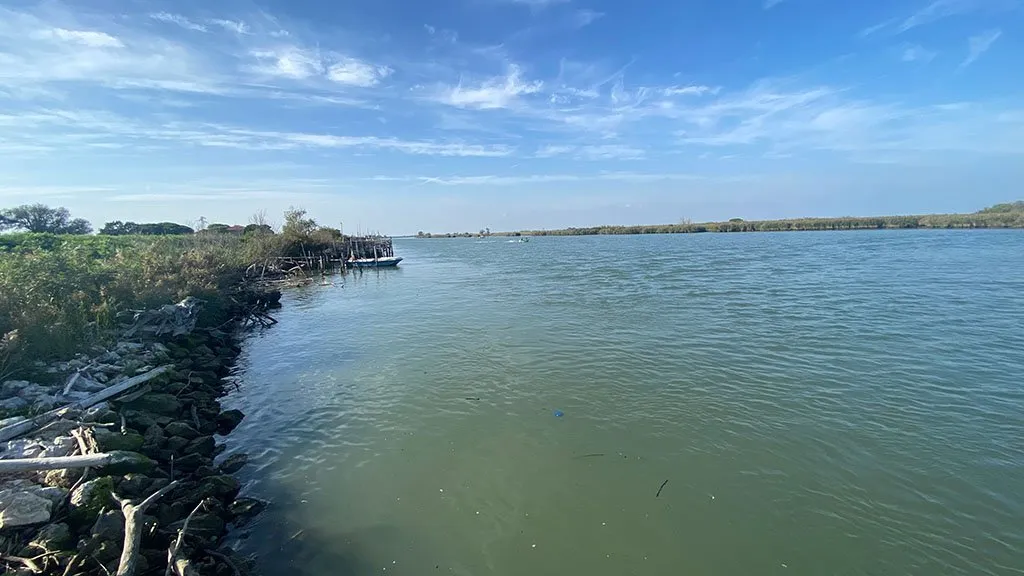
pixel 386 262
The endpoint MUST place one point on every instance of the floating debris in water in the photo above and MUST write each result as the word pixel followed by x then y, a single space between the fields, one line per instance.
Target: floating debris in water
pixel 559 413
pixel 662 488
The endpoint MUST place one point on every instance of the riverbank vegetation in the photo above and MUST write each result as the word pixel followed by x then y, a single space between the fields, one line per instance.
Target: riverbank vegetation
pixel 1009 215
pixel 61 291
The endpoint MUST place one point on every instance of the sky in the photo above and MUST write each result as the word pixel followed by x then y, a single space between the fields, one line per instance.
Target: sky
pixel 453 115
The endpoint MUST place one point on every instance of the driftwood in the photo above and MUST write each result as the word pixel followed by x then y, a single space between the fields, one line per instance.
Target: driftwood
pixel 172 552
pixel 132 529
pixel 173 319
pixel 26 562
pixel 26 426
pixel 72 462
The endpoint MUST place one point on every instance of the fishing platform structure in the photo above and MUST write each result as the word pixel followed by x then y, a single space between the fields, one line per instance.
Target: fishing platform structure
pixel 336 257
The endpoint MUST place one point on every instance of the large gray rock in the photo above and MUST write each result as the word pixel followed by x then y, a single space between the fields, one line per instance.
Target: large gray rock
pixel 109 441
pixel 204 445
pixel 163 404
pixel 223 487
pixel 234 462
pixel 176 443
pixel 13 387
pixel 109 526
pixel 134 485
pixel 23 503
pixel 22 448
pixel 91 497
pixel 182 429
pixel 33 391
pixel 53 537
pixel 228 421
pixel 14 403
pixel 23 508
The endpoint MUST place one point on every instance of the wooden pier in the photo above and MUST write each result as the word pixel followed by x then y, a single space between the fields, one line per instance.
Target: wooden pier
pixel 324 260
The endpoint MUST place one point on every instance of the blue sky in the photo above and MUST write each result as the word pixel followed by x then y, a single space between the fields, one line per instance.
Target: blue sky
pixel 446 115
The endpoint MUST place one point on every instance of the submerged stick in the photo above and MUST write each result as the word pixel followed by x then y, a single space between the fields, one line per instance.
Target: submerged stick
pixel 595 454
pixel 661 488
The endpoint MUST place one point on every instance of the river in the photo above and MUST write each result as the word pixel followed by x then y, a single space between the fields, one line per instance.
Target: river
pixel 818 403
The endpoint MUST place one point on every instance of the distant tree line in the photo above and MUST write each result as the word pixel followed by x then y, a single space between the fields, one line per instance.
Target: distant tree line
pixel 119 228
pixel 1010 215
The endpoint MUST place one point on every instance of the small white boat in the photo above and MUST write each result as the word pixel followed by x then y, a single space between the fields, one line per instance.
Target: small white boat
pixel 387 262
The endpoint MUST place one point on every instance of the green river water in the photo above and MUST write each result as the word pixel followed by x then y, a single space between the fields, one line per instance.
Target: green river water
pixel 819 403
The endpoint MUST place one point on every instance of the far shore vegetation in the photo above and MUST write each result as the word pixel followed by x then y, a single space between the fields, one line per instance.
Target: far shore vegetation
pixel 63 289
pixel 1009 215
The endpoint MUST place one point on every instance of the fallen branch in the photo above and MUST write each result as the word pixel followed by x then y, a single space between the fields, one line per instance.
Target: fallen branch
pixel 71 382
pixel 172 552
pixel 132 532
pixel 73 462
pixel 26 562
pixel 26 426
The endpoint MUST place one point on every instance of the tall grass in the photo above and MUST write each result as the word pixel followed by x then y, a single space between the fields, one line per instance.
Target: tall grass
pixel 63 293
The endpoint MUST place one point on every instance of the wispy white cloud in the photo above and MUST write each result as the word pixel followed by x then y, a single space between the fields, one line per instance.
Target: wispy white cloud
pixel 690 90
pixel 769 4
pixel 519 180
pixel 75 128
pixel 493 93
pixel 178 20
pixel 553 150
pixel 38 53
pixel 591 152
pixel 979 44
pixel 938 10
pixel 288 62
pixel 585 17
pixel 299 63
pixel 357 73
pixel 236 26
pixel 536 4
pixel 917 53
pixel 87 38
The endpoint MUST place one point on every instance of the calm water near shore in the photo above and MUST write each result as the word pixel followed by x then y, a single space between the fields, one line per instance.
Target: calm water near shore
pixel 820 403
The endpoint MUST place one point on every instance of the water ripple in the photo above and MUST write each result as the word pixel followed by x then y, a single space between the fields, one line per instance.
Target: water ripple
pixel 843 403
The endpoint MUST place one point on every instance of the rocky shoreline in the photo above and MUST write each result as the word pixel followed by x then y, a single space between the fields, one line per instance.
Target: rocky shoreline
pixel 164 435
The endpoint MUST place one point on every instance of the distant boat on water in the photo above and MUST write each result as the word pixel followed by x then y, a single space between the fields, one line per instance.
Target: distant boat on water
pixel 386 262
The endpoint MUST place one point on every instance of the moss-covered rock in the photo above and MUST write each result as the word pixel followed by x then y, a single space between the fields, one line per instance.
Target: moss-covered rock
pixel 109 441
pixel 89 499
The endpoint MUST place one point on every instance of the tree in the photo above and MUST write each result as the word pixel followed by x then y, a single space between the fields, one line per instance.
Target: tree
pixel 217 228
pixel 296 225
pixel 255 229
pixel 42 218
pixel 118 228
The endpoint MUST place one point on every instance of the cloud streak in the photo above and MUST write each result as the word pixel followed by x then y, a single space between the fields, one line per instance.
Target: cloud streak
pixel 493 93
pixel 178 20
pixel 978 45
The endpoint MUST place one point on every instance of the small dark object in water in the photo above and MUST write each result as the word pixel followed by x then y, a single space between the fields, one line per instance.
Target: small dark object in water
pixel 474 399
pixel 590 455
pixel 660 489
pixel 559 413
